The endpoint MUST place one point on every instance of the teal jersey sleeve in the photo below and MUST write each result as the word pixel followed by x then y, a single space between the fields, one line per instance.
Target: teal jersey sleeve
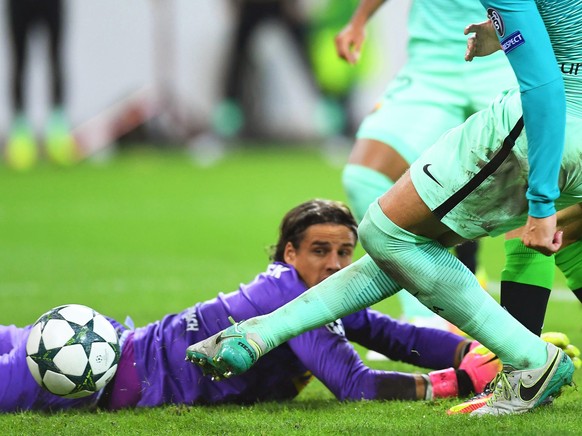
pixel 526 43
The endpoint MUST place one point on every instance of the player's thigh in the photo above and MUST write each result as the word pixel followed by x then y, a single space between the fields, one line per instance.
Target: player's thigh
pixel 406 209
pixel 572 233
pixel 378 156
pixel 411 116
pixel 472 178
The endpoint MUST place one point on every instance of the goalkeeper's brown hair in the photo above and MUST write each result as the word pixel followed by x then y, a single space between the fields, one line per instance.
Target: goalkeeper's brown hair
pixel 301 217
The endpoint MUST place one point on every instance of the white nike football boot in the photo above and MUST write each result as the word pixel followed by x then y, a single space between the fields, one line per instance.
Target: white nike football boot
pixel 518 391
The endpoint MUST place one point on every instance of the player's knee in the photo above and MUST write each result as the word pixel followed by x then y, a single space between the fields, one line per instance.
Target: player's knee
pixel 569 261
pixel 366 233
pixel 377 242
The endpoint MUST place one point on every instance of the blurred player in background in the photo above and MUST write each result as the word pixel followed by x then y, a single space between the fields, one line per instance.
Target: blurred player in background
pixel 228 118
pixel 337 81
pixel 317 239
pixel 25 17
pixel 310 26
pixel 485 177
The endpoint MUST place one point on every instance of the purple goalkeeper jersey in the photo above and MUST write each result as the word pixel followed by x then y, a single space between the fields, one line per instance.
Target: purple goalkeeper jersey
pixel 326 353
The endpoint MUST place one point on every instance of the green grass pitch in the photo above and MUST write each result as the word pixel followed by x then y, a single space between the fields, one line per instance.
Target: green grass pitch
pixel 150 233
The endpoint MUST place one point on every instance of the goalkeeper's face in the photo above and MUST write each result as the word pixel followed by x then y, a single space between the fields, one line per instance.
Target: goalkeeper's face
pixel 323 251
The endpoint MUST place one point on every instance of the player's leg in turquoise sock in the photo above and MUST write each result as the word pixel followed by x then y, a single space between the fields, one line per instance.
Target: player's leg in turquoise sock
pixel 526 282
pixel 227 119
pixel 353 288
pixel 363 186
pixel 569 260
pixel 330 117
pixel 441 282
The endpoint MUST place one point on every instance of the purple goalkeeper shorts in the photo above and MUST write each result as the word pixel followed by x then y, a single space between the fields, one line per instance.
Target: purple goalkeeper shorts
pixel 125 388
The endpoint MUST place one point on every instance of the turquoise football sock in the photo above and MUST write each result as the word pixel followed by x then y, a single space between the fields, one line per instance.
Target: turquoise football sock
pixel 441 282
pixel 412 308
pixel 355 287
pixel 363 186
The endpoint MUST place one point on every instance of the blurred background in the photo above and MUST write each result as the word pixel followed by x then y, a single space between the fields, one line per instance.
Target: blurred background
pixel 178 72
pixel 151 147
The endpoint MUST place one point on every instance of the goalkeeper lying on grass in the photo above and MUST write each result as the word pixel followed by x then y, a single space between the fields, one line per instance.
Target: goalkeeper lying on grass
pixel 317 239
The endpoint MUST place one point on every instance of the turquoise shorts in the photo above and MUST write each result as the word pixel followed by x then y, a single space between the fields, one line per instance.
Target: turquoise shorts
pixel 476 185
pixel 431 95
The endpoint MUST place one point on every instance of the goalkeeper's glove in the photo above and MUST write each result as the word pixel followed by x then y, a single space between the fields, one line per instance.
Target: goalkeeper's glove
pixel 481 365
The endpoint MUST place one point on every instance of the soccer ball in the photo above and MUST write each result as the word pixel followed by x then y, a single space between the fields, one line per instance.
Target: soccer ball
pixel 72 351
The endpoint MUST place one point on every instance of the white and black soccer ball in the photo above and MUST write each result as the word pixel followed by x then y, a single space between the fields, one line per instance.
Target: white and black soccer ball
pixel 72 351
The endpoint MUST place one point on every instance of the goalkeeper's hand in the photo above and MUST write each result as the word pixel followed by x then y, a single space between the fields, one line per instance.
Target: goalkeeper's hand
pixel 562 341
pixel 481 365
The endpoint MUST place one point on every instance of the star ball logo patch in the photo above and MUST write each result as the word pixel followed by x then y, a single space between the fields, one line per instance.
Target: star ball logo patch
pixel 336 327
pixel 512 41
pixel 497 21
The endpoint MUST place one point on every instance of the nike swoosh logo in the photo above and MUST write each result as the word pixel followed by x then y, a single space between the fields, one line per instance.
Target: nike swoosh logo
pixel 527 393
pixel 427 172
pixel 221 337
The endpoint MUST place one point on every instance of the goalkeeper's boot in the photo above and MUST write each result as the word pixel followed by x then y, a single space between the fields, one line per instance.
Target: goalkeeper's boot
pixel 481 365
pixel 518 391
pixel 227 353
